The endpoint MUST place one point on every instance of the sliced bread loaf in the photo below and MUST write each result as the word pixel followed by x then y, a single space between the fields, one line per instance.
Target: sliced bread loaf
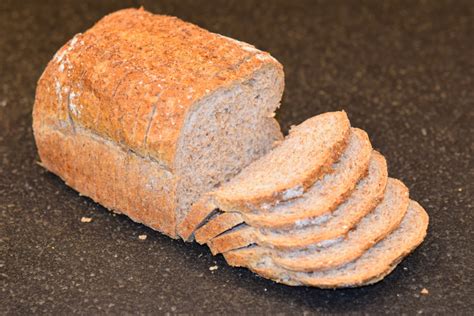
pixel 375 226
pixel 370 268
pixel 365 197
pixel 325 194
pixel 380 260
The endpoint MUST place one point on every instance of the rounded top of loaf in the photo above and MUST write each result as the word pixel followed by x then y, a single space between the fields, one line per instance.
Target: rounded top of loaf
pixel 134 76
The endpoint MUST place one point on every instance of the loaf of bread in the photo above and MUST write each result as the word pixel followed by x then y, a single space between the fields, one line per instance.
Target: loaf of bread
pixel 143 113
pixel 174 126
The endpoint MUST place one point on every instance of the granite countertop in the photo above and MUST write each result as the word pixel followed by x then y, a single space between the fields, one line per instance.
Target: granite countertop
pixel 403 70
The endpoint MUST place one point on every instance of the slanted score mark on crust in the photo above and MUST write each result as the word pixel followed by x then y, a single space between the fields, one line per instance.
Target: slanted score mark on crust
pixel 150 121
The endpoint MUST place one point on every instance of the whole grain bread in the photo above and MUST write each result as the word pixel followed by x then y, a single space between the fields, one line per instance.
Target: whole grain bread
pixel 143 113
pixel 374 227
pixel 174 126
pixel 365 197
pixel 370 268
pixel 326 254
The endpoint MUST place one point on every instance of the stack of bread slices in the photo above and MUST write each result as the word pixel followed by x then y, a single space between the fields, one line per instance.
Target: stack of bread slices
pixel 319 209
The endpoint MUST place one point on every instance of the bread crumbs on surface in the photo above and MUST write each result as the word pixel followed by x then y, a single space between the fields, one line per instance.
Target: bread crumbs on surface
pixel 85 219
pixel 142 237
pixel 213 268
pixel 424 291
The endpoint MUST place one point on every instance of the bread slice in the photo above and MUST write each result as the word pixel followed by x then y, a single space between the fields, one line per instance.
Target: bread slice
pixel 238 237
pixel 305 155
pixel 152 91
pixel 365 197
pixel 217 225
pixel 370 268
pixel 375 226
pixel 326 194
pixel 287 171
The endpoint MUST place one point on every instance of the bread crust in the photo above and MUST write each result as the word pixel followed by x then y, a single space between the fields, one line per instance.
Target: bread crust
pixel 122 182
pixel 200 211
pixel 131 82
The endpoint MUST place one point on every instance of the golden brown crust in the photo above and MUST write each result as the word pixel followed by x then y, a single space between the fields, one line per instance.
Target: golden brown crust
pixel 134 76
pixel 244 257
pixel 120 181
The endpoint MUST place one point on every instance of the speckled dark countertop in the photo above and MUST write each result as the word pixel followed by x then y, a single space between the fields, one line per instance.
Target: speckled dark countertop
pixel 403 70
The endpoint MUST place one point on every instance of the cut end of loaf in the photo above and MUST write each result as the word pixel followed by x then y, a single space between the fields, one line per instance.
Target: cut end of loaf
pixel 225 132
